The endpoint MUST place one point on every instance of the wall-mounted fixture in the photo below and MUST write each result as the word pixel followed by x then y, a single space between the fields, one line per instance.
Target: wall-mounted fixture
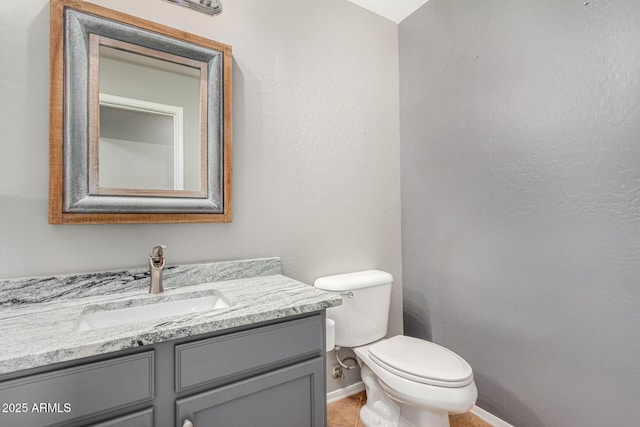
pixel 168 159
pixel 210 7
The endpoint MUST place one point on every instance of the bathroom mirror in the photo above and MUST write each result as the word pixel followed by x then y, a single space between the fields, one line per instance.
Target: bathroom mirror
pixel 140 120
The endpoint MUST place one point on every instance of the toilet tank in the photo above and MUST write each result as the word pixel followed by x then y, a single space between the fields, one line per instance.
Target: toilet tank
pixel 363 316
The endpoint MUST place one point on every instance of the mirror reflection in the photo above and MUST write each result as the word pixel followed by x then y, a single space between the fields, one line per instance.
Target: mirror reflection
pixel 150 115
pixel 149 137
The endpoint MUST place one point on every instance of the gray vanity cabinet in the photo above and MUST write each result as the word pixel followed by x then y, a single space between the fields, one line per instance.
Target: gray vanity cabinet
pixel 269 375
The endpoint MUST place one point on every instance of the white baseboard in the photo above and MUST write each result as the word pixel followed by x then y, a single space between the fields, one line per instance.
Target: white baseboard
pixel 489 418
pixel 359 386
pixel 345 392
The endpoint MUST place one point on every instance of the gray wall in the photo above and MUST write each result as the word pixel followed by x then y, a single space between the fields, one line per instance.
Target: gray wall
pixel 520 158
pixel 316 145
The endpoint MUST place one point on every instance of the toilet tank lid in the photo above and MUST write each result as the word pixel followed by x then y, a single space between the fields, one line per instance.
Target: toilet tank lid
pixel 351 281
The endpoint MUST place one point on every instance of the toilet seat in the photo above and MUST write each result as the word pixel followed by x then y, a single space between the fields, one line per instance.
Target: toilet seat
pixel 421 361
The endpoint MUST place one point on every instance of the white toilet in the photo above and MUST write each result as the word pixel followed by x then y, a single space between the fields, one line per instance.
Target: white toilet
pixel 409 382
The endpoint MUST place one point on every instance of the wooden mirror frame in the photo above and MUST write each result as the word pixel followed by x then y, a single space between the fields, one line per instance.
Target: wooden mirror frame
pixel 67 127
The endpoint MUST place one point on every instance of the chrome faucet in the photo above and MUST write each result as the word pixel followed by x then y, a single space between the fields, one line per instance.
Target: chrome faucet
pixel 156 265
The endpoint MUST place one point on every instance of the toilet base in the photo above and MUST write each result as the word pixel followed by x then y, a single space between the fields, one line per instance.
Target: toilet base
pixel 414 417
pixel 381 411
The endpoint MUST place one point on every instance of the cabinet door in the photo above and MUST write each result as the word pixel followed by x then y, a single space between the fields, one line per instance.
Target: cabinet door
pixel 289 397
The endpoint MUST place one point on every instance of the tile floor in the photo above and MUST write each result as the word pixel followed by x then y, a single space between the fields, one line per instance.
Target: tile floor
pixel 344 413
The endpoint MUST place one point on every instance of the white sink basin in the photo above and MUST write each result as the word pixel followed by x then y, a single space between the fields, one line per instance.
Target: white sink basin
pixel 122 316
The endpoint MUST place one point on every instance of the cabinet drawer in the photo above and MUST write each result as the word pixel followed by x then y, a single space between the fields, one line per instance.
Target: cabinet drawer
pixel 220 358
pixel 139 419
pixel 72 394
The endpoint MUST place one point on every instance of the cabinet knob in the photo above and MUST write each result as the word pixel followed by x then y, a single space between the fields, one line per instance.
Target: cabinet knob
pixel 187 423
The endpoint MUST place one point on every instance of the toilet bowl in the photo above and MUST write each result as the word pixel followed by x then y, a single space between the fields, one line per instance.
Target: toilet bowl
pixel 439 384
pixel 409 382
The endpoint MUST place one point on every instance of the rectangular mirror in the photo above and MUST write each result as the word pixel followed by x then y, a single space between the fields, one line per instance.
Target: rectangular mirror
pixel 140 120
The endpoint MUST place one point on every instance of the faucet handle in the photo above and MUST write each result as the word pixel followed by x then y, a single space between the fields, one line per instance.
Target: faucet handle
pixel 156 251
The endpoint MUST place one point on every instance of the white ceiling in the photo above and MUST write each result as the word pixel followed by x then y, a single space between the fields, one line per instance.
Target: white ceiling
pixel 394 10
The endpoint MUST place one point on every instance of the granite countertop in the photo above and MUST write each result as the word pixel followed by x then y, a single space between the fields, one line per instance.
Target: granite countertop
pixel 39 317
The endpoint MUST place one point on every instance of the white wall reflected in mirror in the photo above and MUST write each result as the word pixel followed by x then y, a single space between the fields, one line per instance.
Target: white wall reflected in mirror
pixel 141 133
